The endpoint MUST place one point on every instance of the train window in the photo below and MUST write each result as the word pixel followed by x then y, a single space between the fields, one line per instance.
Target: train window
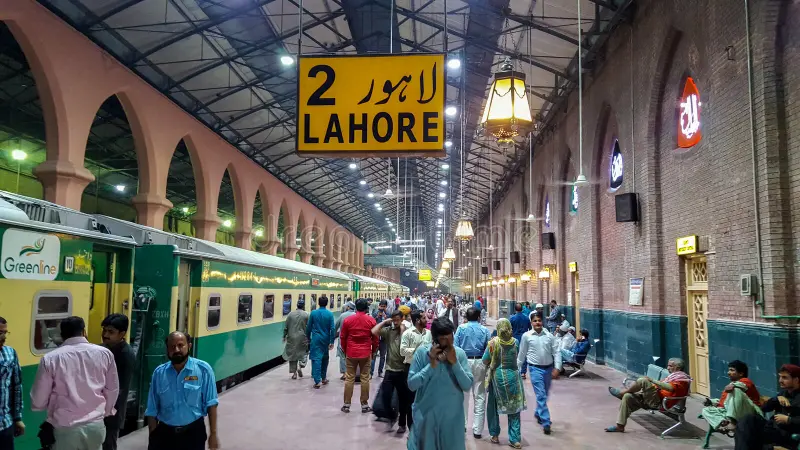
pixel 269 307
pixel 338 300
pixel 313 302
pixel 214 311
pixel 301 297
pixel 51 308
pixel 245 311
pixel 287 304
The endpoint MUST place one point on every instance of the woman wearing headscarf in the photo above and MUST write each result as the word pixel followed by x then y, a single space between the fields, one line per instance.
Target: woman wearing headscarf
pixel 431 316
pixel 504 384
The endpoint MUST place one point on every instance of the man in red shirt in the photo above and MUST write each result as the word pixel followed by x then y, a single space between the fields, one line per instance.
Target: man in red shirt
pixel 358 344
pixel 733 404
pixel 649 393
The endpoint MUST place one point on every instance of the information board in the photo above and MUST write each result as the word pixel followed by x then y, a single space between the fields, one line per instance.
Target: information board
pixel 364 105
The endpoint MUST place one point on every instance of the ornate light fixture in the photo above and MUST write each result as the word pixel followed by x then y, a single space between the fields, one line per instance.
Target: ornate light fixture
pixel 507 113
pixel 464 230
pixel 544 274
pixel 446 264
pixel 525 277
pixel 449 254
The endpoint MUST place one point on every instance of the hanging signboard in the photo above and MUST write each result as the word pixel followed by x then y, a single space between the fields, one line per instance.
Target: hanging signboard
pixel 573 266
pixel 424 275
pixel 636 288
pixel 371 106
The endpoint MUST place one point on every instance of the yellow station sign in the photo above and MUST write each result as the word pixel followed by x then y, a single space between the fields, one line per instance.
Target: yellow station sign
pixel 573 266
pixel 686 245
pixel 424 275
pixel 387 105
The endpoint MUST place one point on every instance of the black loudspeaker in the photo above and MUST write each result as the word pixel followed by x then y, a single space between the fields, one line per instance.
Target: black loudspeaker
pixel 484 270
pixel 627 206
pixel 548 241
pixel 514 257
pixel 497 265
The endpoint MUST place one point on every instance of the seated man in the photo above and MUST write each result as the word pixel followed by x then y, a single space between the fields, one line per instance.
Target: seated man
pixel 754 431
pixel 567 341
pixel 740 398
pixel 649 393
pixel 577 353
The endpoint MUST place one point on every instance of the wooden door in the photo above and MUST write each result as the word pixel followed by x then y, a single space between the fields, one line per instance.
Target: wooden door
pixel 697 298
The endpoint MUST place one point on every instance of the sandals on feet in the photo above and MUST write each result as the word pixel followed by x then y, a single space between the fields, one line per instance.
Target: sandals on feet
pixel 346 408
pixel 294 376
pixel 365 409
pixel 515 444
pixel 325 381
pixel 615 392
pixel 495 440
pixel 316 386
pixel 615 429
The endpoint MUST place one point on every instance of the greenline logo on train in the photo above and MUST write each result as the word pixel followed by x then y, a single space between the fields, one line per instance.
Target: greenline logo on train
pixel 30 256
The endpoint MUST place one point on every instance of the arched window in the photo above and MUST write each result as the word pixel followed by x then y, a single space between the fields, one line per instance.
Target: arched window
pixel 547 211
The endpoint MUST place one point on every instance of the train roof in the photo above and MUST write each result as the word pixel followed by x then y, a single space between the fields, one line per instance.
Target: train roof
pixel 29 212
pixel 249 257
pixel 25 212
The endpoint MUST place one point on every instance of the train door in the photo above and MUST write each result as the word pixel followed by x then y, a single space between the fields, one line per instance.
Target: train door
pixel 184 291
pixel 697 298
pixel 102 287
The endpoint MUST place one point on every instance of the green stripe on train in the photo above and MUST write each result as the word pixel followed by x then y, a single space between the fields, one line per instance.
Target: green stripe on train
pixel 227 275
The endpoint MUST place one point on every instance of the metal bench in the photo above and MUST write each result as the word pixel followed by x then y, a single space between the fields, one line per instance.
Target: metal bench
pixel 580 361
pixel 676 412
pixel 707 439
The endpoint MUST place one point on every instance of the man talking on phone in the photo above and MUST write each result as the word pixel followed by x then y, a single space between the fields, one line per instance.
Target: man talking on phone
pixel 439 375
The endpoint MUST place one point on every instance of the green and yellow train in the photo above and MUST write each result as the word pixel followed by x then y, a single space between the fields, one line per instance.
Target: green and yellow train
pixel 58 262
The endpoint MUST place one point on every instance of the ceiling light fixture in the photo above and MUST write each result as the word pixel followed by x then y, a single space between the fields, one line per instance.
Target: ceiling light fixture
pixel 287 60
pixel 454 63
pixel 185 209
pixel 445 166
pixel 451 111
pixel 362 182
pixel 507 113
pixel 227 223
pixel 370 195
pixel 443 182
pixel 448 143
pixel 18 155
pixel 120 187
pixel 442 195
pixel 353 166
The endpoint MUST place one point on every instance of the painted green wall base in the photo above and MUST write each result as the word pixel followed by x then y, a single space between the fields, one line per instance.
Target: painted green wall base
pixel 629 341
pixel 763 348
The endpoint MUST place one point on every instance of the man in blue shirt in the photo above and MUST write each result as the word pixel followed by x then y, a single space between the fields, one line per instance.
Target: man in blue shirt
pixel 11 425
pixel 182 393
pixel 520 324
pixel 321 333
pixel 472 337
pixel 540 349
pixel 553 318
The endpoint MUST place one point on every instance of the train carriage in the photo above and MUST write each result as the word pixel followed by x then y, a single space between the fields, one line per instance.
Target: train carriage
pixel 53 267
pixel 58 262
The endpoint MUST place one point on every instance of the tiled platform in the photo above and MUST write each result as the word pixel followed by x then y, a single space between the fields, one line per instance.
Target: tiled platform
pixel 275 412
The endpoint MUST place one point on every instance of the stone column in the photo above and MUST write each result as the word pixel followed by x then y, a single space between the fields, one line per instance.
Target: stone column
pixel 150 209
pixel 290 253
pixel 305 256
pixel 64 182
pixel 206 227
pixel 243 238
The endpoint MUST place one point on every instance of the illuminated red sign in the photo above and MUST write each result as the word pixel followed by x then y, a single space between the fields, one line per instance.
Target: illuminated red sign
pixel 689 118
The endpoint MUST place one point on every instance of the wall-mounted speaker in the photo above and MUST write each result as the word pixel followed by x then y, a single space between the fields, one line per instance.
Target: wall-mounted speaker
pixel 497 265
pixel 548 241
pixel 627 206
pixel 514 257
pixel 484 270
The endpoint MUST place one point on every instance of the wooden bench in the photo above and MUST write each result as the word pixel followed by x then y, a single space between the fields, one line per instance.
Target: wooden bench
pixel 676 412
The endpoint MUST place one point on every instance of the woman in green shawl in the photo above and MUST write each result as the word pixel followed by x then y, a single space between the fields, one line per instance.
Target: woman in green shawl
pixel 504 384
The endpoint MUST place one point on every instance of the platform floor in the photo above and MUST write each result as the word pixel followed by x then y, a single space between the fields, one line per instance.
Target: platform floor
pixel 273 411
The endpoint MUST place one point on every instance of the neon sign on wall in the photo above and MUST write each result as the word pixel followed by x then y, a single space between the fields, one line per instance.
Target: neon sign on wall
pixel 616 168
pixel 573 202
pixel 547 211
pixel 689 133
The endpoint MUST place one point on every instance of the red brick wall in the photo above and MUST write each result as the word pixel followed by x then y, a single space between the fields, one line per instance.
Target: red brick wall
pixel 708 190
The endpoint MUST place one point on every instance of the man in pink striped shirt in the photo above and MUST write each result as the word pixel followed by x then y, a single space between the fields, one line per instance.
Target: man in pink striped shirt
pixel 77 385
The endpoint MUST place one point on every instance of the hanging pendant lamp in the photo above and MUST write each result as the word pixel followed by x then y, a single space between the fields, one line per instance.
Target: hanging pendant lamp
pixel 446 265
pixel 507 113
pixel 464 230
pixel 449 254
